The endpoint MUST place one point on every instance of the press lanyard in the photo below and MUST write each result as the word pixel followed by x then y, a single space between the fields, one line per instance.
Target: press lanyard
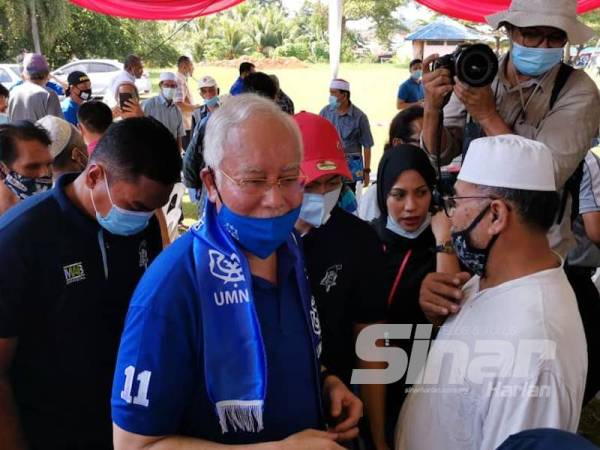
pixel 398 277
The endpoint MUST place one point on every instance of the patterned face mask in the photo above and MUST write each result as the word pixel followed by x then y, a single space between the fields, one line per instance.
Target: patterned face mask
pixel 24 187
pixel 475 259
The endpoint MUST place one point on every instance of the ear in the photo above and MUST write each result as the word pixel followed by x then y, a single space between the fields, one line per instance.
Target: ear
pixel 208 180
pixel 500 213
pixel 79 156
pixel 94 175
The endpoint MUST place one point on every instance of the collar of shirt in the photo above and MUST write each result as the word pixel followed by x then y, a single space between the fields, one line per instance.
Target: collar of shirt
pixel 350 111
pixel 164 101
pixel 71 211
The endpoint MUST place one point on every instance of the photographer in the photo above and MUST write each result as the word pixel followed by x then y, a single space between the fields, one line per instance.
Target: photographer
pixel 534 95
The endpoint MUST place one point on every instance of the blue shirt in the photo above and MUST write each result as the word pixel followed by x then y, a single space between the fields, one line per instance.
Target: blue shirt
pixel 410 91
pixel 237 87
pixel 65 285
pixel 352 126
pixel 69 109
pixel 163 336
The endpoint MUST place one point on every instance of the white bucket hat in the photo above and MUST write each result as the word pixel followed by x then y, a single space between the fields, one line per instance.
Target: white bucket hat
pixel 561 14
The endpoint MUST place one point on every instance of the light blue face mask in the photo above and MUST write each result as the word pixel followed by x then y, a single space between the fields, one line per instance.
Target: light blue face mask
pixel 416 75
pixel 120 221
pixel 395 228
pixel 316 208
pixel 532 61
pixel 334 102
pixel 212 101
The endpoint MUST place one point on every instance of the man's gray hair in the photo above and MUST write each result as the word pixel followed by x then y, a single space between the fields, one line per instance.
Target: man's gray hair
pixel 232 114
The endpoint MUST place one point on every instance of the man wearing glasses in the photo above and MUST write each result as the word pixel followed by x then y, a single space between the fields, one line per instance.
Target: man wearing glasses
pixel 222 339
pixel 534 95
pixel 513 356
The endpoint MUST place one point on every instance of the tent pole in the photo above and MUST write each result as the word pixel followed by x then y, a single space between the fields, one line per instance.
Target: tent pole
pixel 336 8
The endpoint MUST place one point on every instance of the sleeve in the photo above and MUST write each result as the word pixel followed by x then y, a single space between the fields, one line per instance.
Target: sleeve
pixel 370 302
pixel 179 92
pixel 15 275
pixel 571 125
pixel 180 129
pixel 155 365
pixel 54 108
pixel 455 119
pixel 541 402
pixel 589 189
pixel 146 107
pixel 366 138
pixel 403 93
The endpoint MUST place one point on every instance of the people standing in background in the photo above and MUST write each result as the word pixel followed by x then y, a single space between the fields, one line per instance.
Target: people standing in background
pixel 281 98
pixel 4 95
pixel 246 68
pixel 353 127
pixel 79 91
pixel 68 149
pixel 133 69
pixel 410 93
pixel 94 119
pixel 183 96
pixel 209 91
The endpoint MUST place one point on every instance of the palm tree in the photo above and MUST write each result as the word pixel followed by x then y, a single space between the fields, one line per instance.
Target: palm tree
pixel 232 40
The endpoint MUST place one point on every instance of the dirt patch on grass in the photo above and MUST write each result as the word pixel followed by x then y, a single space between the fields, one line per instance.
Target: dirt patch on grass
pixel 263 64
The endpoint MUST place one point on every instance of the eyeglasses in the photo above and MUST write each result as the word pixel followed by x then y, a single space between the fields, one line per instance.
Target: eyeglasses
pixel 533 37
pixel 449 203
pixel 260 186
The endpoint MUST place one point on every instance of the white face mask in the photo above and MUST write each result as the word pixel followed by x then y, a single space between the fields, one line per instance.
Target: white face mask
pixel 316 208
pixel 168 93
pixel 394 227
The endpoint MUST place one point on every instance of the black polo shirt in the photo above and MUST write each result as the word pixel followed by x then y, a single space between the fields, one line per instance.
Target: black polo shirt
pixel 65 286
pixel 345 263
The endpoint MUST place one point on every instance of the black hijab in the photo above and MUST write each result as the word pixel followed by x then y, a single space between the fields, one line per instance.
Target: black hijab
pixel 397 160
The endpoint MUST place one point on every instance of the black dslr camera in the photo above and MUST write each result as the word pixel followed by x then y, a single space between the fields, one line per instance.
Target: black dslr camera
pixel 473 64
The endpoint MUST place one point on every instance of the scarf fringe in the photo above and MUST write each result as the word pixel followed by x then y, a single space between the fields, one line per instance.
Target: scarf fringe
pixel 243 415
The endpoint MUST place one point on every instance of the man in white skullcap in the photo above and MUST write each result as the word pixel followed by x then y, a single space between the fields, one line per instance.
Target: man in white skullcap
pixel 353 127
pixel 68 148
pixel 513 356
pixel 534 95
pixel 163 108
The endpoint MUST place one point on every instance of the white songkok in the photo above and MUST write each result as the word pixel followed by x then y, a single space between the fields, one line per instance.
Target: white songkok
pixel 509 161
pixel 341 85
pixel 167 76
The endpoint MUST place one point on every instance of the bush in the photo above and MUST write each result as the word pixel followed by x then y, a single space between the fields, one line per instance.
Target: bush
pixel 298 50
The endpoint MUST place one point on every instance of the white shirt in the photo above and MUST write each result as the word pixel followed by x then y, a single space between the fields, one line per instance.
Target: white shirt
pixel 111 92
pixel 491 332
pixel 368 209
pixel 183 94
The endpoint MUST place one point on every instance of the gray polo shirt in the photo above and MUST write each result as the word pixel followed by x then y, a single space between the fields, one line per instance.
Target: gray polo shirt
pixel 28 101
pixel 352 126
pixel 166 113
pixel 587 254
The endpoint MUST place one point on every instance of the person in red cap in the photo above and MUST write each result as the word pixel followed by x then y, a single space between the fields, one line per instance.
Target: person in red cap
pixel 344 260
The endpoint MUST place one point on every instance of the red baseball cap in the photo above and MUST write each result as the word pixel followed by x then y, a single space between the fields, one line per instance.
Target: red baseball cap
pixel 323 154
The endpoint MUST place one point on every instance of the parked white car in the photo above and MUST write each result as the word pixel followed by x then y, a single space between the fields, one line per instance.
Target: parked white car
pixel 101 73
pixel 9 75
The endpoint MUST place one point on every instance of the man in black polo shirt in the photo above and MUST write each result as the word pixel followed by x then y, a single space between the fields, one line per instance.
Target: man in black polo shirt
pixel 70 260
pixel 344 259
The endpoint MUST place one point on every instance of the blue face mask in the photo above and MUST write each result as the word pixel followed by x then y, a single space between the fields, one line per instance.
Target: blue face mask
pixel 334 103
pixel 316 208
pixel 120 221
pixel 534 62
pixel 212 101
pixel 259 236
pixel 416 75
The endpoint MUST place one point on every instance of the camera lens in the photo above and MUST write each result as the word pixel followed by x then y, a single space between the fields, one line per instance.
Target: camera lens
pixel 477 65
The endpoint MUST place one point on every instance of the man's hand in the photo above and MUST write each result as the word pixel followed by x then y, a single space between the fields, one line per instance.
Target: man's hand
pixel 346 408
pixel 311 439
pixel 440 226
pixel 440 295
pixel 437 85
pixel 132 108
pixel 479 101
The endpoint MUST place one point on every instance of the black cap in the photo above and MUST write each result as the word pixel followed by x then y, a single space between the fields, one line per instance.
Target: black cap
pixel 77 77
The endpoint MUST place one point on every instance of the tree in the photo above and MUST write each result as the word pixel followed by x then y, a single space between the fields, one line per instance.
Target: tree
pixel 380 11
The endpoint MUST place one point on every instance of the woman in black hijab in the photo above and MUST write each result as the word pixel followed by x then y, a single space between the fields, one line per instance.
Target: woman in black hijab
pixel 405 183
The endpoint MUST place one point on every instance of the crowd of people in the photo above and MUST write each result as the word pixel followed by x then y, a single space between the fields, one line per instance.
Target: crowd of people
pixel 447 305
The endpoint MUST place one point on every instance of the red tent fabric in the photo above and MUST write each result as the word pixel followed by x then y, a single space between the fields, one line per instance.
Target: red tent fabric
pixel 157 9
pixel 476 10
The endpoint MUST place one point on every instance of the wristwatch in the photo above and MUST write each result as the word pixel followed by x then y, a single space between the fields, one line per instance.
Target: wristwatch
pixel 446 247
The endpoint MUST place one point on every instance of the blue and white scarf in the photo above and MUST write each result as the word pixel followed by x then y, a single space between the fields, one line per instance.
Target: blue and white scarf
pixel 235 366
